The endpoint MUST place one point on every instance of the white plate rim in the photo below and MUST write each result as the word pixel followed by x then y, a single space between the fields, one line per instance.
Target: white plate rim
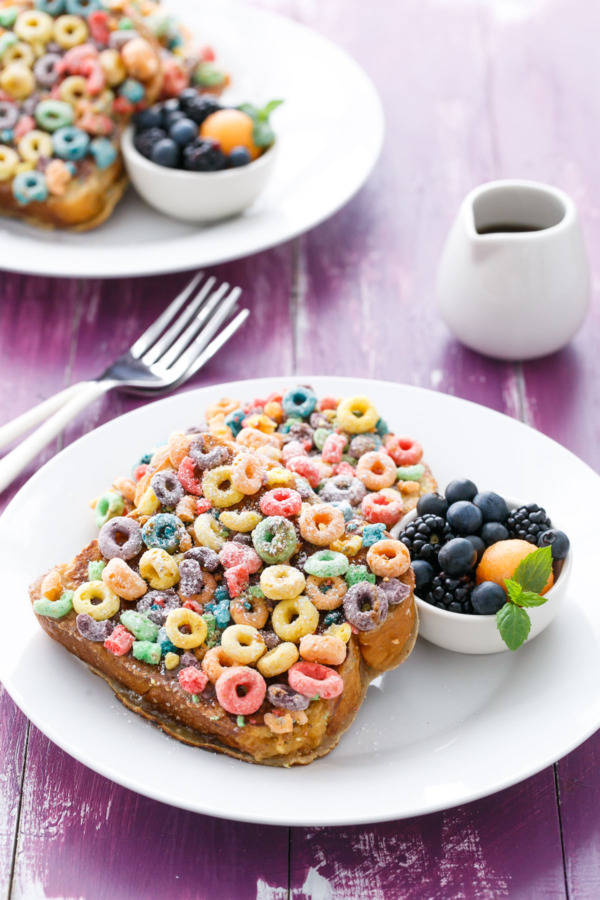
pixel 326 384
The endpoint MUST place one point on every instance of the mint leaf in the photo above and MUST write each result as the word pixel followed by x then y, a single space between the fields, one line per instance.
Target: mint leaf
pixel 262 134
pixel 532 572
pixel 530 598
pixel 265 112
pixel 514 625
pixel 514 591
pixel 250 110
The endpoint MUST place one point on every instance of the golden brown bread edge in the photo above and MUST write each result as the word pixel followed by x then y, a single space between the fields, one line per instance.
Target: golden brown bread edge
pixel 205 724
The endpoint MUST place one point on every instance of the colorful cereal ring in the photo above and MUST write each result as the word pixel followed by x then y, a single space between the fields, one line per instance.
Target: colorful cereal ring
pixel 275 539
pixel 300 401
pixel 315 680
pixel 363 595
pixel 323 648
pixel 236 679
pixel 326 564
pixel 164 531
pixel 282 582
pixel 90 591
pixel 292 619
pixel 54 114
pixel 186 618
pixel 29 187
pixel 388 558
pixel 120 537
pixel 322 524
pixel 281 502
pixel 243 644
pixel 70 143
pixel 54 609
pixel 376 471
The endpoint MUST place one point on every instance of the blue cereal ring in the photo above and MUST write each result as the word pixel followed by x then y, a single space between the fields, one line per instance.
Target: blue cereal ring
pixel 54 114
pixel 52 7
pixel 83 7
pixel 382 428
pixel 300 401
pixel 373 533
pixel 70 142
pixel 234 421
pixel 103 151
pixel 132 90
pixel 163 531
pixel 28 187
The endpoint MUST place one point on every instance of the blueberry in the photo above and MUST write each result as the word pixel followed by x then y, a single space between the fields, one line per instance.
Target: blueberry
pixel 493 507
pixel 558 542
pixel 239 156
pixel 457 557
pixel 170 106
pixel 487 598
pixel 477 543
pixel 169 119
pixel 145 141
pixel 464 517
pixel 166 153
pixel 492 532
pixel 460 489
pixel 188 95
pixel 424 574
pixel 432 503
pixel 148 118
pixel 183 131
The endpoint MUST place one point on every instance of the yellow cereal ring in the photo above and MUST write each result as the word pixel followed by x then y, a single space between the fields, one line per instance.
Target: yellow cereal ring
pixel 326 593
pixel 108 602
pixel 209 532
pixel 219 427
pixel 322 524
pixel 292 619
pixel 269 454
pixel 357 415
pixel 9 159
pixel 262 423
pixel 213 491
pixel 256 616
pixel 243 644
pixel 149 503
pixel 349 545
pixel 274 411
pixel 185 618
pixel 70 31
pixel 73 89
pixel 343 631
pixel 35 144
pixel 278 660
pixel 323 648
pixel 280 477
pixel 159 569
pixel 34 26
pixel 113 67
pixel 19 52
pixel 121 579
pixel 17 80
pixel 221 408
pixel 244 520
pixel 282 582
pixel 247 474
pixel 26 166
pixel 388 558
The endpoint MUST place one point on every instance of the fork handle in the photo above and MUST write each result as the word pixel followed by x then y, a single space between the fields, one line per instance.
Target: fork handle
pixel 12 430
pixel 14 462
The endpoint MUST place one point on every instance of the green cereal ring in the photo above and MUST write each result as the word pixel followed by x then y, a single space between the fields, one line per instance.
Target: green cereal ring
pixel 54 114
pixel 108 506
pixel 8 16
pixel 320 436
pixel 351 460
pixel 95 570
pixel 358 573
pixel 147 652
pixel 54 609
pixel 275 539
pixel 140 626
pixel 411 473
pixel 326 564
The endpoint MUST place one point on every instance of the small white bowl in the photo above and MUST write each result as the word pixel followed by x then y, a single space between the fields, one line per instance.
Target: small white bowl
pixel 197 196
pixel 479 634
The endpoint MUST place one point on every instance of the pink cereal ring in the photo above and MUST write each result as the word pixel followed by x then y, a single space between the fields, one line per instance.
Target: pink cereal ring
pixel 333 448
pixel 203 506
pixel 24 126
pixel 193 680
pixel 98 25
pixel 92 72
pixel 379 508
pixel 292 449
pixel 73 58
pixel 234 554
pixel 238 579
pixel 312 679
pixel 328 402
pixel 404 451
pixel 345 468
pixel 120 641
pixel 306 468
pixel 281 502
pixel 239 678
pixel 187 476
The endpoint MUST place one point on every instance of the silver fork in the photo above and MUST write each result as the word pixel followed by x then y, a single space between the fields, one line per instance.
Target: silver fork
pixel 169 352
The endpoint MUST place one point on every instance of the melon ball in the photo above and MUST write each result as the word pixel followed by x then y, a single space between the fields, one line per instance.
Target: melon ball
pixel 231 128
pixel 501 559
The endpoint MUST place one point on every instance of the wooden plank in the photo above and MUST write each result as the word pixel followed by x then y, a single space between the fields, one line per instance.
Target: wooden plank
pixel 13 738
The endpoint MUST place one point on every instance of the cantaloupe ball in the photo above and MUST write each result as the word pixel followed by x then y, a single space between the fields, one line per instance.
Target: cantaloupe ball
pixel 231 128
pixel 501 559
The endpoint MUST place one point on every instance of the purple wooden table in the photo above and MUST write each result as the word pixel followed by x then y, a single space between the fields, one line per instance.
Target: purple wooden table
pixel 473 91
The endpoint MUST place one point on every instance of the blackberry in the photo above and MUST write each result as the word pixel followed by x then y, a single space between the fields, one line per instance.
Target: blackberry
pixel 203 156
pixel 144 141
pixel 451 593
pixel 200 107
pixel 424 537
pixel 528 522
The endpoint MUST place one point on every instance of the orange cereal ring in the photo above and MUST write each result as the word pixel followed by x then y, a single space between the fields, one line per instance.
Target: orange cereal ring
pixel 178 446
pixel 322 524
pixel 121 578
pixel 140 58
pixel 247 473
pixel 388 558
pixel 223 407
pixel 208 588
pixel 253 438
pixel 376 470
pixel 323 648
pixel 257 616
pixel 52 586
pixel 326 593
pixel 215 662
pixel 279 724
pixel 126 487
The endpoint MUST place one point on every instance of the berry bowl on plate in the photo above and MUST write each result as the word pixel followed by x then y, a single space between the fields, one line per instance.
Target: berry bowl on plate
pixel 197 161
pixel 491 572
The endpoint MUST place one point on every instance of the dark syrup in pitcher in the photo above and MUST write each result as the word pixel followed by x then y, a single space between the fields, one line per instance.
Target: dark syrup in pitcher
pixel 507 228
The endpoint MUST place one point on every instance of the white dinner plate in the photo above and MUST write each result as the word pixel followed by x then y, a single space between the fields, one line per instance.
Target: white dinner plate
pixel 442 729
pixel 329 130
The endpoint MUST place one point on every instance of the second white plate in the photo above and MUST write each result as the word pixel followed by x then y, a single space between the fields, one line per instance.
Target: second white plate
pixel 441 730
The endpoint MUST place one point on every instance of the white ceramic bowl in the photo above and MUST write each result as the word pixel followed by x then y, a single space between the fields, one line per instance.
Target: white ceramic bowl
pixel 479 634
pixel 197 196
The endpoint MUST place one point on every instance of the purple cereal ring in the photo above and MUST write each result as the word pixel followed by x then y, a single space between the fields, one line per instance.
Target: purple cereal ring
pixel 190 577
pixel 319 420
pixel 9 114
pixel 343 487
pixel 91 629
pixel 299 431
pixel 395 591
pixel 205 458
pixel 361 444
pixel 207 558
pixel 285 697
pixel 270 638
pixel 45 71
pixel 167 487
pixel 120 537
pixel 240 538
pixel 188 659
pixel 365 594
pixel 118 39
pixel 158 604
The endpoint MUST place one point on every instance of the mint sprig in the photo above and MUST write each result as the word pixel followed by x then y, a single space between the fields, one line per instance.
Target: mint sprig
pixel 262 133
pixel 523 590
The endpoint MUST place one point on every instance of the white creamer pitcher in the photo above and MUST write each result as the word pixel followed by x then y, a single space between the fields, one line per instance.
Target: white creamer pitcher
pixel 513 281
